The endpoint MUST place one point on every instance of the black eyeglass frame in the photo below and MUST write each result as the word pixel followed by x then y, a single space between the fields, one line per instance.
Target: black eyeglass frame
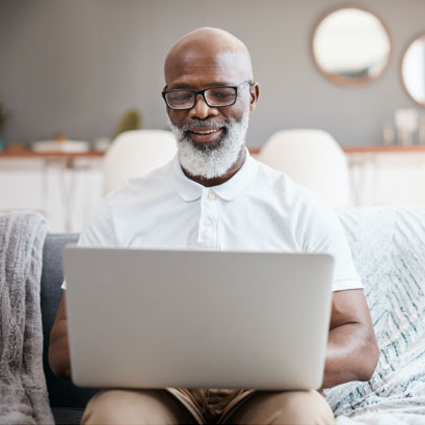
pixel 202 92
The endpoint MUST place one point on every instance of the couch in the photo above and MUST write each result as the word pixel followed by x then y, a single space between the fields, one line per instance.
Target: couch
pixel 388 248
pixel 66 400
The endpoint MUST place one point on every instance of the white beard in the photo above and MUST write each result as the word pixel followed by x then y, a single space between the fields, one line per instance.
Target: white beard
pixel 210 160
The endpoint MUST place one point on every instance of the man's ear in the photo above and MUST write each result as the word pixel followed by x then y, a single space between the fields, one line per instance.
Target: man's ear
pixel 254 93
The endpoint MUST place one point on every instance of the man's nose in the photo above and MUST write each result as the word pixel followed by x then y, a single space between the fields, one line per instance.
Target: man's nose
pixel 201 110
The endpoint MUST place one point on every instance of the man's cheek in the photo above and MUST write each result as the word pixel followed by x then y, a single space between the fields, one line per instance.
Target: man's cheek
pixel 175 117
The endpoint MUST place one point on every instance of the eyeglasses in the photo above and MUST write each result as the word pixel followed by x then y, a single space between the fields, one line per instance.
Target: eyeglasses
pixel 215 97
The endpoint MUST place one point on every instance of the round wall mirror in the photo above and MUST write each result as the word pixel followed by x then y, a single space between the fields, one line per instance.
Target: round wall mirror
pixel 413 70
pixel 351 46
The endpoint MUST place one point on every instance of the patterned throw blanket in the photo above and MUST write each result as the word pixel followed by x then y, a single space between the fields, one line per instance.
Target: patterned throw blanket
pixel 23 394
pixel 388 246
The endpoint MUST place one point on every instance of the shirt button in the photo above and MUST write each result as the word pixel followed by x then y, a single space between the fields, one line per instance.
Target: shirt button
pixel 211 195
pixel 207 222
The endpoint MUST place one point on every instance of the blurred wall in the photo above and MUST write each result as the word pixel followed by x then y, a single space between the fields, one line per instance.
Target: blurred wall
pixel 76 66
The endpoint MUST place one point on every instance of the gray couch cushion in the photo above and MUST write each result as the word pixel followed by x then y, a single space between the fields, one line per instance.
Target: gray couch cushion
pixel 64 416
pixel 63 393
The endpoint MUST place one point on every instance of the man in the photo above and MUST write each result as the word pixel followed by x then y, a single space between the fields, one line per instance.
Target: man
pixel 214 195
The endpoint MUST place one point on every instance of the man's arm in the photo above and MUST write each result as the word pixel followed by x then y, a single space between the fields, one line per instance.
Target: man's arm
pixel 59 347
pixel 352 351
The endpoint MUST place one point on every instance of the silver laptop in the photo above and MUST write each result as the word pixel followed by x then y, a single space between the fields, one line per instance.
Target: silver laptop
pixel 197 319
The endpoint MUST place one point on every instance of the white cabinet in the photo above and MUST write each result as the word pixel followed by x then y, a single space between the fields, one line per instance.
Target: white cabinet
pixel 388 175
pixel 66 195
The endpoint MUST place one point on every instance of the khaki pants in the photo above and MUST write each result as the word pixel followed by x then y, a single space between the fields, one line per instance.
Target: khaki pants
pixel 178 406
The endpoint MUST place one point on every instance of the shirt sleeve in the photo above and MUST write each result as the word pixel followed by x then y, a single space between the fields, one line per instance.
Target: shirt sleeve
pixel 100 229
pixel 323 233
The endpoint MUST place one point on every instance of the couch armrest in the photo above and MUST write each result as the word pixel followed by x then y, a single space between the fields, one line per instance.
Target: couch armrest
pixel 62 392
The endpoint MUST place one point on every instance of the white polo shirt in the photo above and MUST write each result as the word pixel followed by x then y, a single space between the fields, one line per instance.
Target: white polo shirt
pixel 258 209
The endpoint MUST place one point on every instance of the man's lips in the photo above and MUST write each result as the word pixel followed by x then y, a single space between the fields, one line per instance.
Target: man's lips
pixel 206 134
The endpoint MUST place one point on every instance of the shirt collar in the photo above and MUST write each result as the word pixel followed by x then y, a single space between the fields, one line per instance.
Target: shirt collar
pixel 230 190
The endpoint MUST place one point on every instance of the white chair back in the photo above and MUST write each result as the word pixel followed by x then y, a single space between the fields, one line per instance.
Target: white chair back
pixel 313 159
pixel 135 153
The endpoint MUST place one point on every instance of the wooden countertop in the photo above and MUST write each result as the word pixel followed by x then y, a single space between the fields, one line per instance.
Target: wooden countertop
pixel 27 153
pixel 383 149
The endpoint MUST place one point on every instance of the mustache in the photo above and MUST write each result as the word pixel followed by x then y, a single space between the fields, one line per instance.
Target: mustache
pixel 203 123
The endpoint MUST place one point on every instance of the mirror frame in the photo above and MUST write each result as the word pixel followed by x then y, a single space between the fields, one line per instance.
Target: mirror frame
pixel 344 81
pixel 417 37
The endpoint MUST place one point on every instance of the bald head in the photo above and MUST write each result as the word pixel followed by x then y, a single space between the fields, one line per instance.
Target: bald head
pixel 207 46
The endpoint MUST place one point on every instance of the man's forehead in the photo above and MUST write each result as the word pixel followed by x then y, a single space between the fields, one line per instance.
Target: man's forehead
pixel 197 67
pixel 208 52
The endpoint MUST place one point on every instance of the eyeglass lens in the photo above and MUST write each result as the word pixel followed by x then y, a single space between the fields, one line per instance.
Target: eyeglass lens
pixel 216 96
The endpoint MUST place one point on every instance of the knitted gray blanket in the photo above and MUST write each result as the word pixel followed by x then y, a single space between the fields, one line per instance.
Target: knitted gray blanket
pixel 23 393
pixel 388 247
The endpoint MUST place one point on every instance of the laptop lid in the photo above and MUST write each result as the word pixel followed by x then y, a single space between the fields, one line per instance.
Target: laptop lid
pixel 197 319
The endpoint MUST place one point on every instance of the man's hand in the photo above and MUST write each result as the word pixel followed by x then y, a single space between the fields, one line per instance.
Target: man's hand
pixel 59 358
pixel 352 352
